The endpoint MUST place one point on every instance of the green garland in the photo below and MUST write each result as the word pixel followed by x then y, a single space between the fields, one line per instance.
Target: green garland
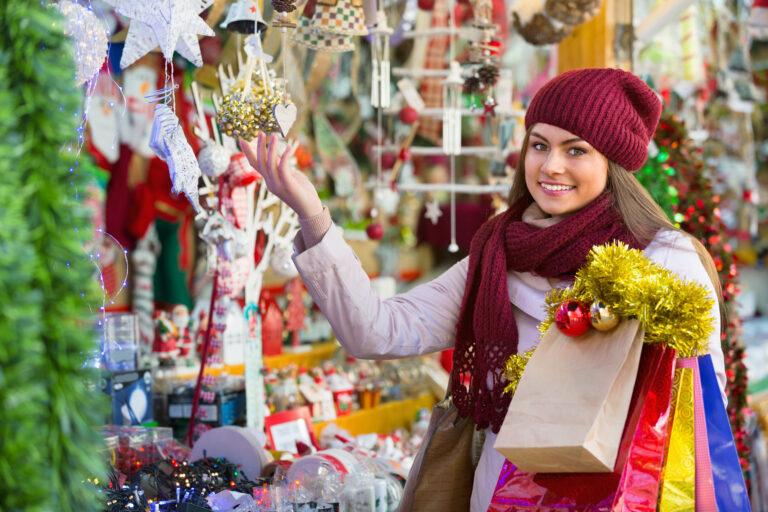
pixel 48 446
pixel 672 311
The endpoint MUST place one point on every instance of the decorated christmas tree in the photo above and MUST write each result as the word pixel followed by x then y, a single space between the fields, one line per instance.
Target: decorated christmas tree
pixel 682 184
pixel 48 446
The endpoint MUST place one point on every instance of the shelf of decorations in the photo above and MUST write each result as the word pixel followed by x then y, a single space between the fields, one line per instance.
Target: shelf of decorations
pixel 382 418
pixel 311 356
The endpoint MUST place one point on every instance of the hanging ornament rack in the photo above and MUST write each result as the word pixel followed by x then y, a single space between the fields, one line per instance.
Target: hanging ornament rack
pixel 465 112
pixel 486 62
pixel 480 151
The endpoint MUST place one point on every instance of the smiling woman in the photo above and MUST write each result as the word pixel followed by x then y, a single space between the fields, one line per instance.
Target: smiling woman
pixel 573 189
pixel 563 172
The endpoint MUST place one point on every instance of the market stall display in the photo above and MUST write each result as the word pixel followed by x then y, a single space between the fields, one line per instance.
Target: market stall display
pixel 220 385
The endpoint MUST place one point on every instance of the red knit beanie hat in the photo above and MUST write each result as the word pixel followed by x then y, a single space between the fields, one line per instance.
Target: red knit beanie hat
pixel 613 110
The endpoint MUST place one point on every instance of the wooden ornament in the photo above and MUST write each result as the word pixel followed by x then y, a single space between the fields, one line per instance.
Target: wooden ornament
pixel 285 116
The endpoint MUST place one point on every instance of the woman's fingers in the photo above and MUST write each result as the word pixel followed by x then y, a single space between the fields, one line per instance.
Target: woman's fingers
pixel 272 158
pixel 283 167
pixel 250 153
pixel 274 168
pixel 261 152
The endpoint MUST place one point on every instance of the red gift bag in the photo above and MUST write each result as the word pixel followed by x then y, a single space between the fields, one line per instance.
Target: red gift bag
pixel 634 483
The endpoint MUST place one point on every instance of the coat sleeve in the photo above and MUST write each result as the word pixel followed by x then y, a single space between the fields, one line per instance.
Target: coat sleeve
pixel 676 253
pixel 414 323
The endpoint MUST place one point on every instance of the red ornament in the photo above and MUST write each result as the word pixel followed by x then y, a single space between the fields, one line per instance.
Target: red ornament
pixel 408 115
pixel 489 107
pixel 375 231
pixel 388 160
pixel 271 325
pixel 405 155
pixel 572 318
pixel 426 5
pixel 258 250
pixel 294 321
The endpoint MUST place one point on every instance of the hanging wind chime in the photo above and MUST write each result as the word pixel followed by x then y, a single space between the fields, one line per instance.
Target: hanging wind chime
pixel 380 99
pixel 452 87
pixel 380 85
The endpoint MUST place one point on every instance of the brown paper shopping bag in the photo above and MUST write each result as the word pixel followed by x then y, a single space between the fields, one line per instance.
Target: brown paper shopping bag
pixel 569 409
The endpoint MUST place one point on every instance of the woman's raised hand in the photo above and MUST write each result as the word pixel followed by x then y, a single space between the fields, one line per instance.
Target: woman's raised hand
pixel 290 185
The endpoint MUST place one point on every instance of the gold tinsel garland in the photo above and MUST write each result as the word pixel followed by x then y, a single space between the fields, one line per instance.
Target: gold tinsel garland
pixel 513 369
pixel 671 310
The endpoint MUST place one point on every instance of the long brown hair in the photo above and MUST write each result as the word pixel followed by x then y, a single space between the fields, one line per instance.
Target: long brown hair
pixel 642 216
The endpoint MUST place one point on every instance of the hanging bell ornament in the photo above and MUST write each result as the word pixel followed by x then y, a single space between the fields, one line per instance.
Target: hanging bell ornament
pixel 601 317
pixel 572 318
pixel 237 116
pixel 244 17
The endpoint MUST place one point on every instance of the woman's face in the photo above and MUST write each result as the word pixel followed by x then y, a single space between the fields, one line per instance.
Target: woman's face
pixel 563 172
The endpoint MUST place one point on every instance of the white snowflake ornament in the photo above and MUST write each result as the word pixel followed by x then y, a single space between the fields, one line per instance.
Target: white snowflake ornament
pixel 173 25
pixel 170 144
pixel 433 212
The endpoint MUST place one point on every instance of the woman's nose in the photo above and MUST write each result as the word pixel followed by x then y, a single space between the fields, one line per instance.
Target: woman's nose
pixel 554 163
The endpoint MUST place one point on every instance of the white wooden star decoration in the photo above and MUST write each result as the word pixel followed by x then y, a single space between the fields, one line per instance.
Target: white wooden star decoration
pixel 173 25
pixel 433 211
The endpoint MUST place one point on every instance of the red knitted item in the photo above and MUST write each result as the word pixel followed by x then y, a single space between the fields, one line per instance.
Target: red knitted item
pixel 486 333
pixel 613 110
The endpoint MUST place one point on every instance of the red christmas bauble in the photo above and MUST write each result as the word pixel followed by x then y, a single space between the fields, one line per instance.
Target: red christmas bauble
pixel 426 5
pixel 572 318
pixel 405 155
pixel 408 115
pixel 388 160
pixel 375 231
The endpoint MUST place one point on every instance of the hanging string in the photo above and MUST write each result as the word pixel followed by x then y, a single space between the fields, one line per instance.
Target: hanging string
pixel 163 95
pixel 284 58
pixel 379 125
pixel 453 247
pixel 169 84
pixel 380 128
pixel 452 29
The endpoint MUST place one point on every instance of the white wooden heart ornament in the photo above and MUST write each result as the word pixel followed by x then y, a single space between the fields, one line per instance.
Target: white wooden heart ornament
pixel 285 116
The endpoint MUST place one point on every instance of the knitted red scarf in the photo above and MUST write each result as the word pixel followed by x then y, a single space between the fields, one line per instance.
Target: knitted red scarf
pixel 486 333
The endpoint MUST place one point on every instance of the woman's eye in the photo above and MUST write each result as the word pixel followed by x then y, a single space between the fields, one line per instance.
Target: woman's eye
pixel 577 151
pixel 538 146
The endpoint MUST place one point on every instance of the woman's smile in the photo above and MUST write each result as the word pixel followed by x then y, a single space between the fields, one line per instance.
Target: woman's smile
pixel 563 172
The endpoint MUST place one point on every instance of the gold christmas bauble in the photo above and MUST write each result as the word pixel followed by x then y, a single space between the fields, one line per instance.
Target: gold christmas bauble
pixel 601 317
